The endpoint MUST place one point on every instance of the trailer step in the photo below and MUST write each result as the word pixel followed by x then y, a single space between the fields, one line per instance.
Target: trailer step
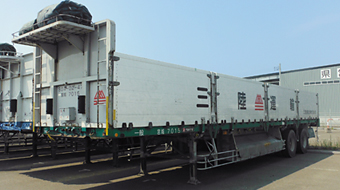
pixel 213 160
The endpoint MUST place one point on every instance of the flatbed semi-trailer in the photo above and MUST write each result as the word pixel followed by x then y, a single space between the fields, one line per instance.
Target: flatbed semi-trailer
pixel 85 90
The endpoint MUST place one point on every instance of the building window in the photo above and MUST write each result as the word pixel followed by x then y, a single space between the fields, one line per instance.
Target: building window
pixel 321 82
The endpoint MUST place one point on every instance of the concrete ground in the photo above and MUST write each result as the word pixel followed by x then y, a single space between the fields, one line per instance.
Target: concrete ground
pixel 324 135
pixel 305 171
pixel 314 170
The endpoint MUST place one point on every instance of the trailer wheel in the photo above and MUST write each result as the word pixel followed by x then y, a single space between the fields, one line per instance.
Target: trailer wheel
pixel 303 141
pixel 291 144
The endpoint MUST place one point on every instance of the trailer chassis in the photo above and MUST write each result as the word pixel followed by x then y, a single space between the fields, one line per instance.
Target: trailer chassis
pixel 224 142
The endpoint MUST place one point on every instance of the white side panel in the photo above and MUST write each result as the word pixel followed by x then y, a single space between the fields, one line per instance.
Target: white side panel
pixel 239 98
pixel 28 62
pixel 26 88
pixel 5 87
pixel 71 62
pixel 27 110
pixel 24 101
pixel 281 103
pixel 6 74
pixel 46 119
pixel 48 72
pixel 307 105
pixel 15 88
pixel 67 97
pixel 15 69
pixel 6 114
pixel 157 92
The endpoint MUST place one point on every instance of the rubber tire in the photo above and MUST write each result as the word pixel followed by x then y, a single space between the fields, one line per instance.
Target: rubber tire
pixel 291 144
pixel 303 141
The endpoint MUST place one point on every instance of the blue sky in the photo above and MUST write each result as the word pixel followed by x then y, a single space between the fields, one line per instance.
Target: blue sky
pixel 234 37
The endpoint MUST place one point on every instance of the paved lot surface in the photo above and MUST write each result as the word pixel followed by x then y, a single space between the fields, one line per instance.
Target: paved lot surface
pixel 324 134
pixel 305 171
pixel 315 170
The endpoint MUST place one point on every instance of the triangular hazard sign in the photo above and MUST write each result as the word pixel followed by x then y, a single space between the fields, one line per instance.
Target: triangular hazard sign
pixel 101 95
pixel 102 98
pixel 258 99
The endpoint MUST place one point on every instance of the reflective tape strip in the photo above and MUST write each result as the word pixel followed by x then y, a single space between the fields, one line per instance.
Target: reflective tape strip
pixel 107 115
pixel 33 116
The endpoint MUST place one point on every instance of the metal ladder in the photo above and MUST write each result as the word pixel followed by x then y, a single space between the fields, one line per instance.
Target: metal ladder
pixel 100 39
pixel 217 158
pixel 213 160
pixel 37 88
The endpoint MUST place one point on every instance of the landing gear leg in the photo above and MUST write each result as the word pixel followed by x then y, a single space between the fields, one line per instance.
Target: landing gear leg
pixel 35 145
pixel 143 168
pixel 54 147
pixel 115 152
pixel 87 150
pixel 193 161
pixel 6 139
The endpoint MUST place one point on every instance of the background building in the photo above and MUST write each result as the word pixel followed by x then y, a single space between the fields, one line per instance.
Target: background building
pixel 324 80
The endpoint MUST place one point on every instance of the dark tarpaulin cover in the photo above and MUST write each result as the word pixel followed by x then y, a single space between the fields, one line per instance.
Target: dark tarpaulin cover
pixel 28 27
pixel 48 14
pixel 5 48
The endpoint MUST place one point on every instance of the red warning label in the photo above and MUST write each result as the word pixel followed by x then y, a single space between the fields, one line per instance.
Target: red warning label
pixel 102 98
pixel 258 103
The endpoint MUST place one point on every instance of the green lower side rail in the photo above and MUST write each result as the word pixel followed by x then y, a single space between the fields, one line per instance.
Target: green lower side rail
pixel 81 132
